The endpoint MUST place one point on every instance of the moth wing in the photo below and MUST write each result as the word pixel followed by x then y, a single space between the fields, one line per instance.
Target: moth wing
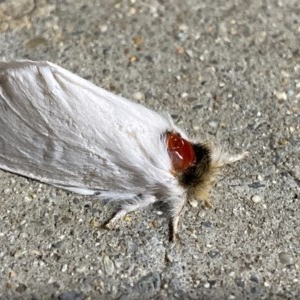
pixel 60 129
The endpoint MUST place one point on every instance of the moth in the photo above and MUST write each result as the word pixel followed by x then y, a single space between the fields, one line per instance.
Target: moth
pixel 62 130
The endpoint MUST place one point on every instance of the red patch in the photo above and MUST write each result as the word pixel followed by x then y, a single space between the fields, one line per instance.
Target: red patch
pixel 181 152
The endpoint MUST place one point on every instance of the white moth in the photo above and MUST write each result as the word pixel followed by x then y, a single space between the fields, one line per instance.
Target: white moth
pixel 62 130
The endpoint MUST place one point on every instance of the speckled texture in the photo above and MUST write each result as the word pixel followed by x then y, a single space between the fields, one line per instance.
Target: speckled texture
pixel 228 71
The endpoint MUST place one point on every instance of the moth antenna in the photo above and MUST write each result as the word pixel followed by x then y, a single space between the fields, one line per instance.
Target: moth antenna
pixel 220 158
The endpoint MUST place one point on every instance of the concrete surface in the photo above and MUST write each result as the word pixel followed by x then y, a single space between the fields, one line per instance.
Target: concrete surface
pixel 228 71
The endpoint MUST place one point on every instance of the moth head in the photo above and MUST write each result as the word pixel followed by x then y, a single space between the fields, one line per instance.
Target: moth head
pixel 197 165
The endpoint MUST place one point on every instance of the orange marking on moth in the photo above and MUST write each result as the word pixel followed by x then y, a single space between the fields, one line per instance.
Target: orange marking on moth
pixel 181 152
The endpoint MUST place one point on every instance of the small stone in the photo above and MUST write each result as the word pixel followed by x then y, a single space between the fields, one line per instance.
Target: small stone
pixel 285 74
pixel 41 264
pixel 169 258
pixel 138 40
pixel 19 253
pixel 23 235
pixel 231 274
pixel 179 50
pixel 183 27
pixel 81 269
pixel 193 232
pixel 207 224
pixel 280 95
pixel 133 58
pixel 282 141
pixel 11 274
pixel 193 203
pixel 155 223
pixel 178 77
pixel 285 258
pixel 260 178
pixel 76 201
pixel 108 264
pixel 95 223
pixel 148 285
pixel 184 95
pixel 207 285
pixel 255 290
pixel 256 185
pixel 212 282
pixel 35 42
pixel 127 218
pixel 132 11
pixel 138 96
pixel 27 199
pixel 21 288
pixel 9 286
pixel 239 282
pixel 189 52
pixel 103 28
pixel 235 106
pixel 57 245
pixel 64 268
pixel 71 295
pixel 213 253
pixel 256 199
pixel 213 124
pixel 6 191
pixel 253 278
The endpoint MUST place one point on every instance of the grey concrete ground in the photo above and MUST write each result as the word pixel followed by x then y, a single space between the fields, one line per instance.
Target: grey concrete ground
pixel 228 71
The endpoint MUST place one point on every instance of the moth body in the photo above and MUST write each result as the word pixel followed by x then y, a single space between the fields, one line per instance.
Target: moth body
pixel 62 130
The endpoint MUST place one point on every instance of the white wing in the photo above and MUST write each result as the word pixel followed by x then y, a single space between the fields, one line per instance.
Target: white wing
pixel 63 130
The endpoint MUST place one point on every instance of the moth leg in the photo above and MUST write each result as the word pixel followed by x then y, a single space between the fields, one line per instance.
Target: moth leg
pixel 135 204
pixel 174 222
pixel 207 203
